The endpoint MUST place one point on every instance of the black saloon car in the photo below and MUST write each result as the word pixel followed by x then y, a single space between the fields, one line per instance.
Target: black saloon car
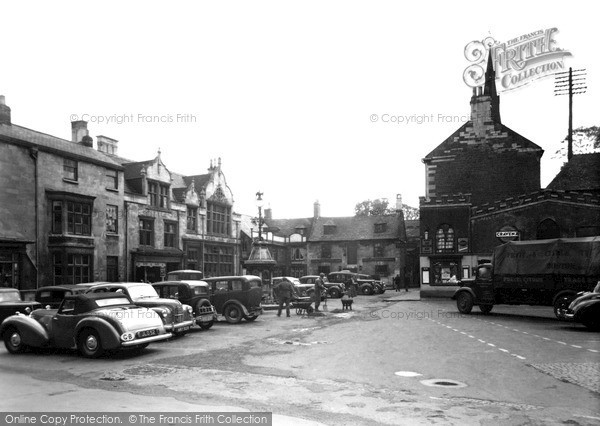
pixel 10 303
pixel 193 293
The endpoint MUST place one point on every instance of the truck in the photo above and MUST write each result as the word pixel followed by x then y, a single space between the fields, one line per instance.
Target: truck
pixel 536 272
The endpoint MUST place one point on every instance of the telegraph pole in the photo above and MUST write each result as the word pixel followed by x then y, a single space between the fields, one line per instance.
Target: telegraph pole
pixel 570 83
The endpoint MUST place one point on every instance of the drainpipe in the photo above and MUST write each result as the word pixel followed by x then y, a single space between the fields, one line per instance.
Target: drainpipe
pixel 126 237
pixel 33 153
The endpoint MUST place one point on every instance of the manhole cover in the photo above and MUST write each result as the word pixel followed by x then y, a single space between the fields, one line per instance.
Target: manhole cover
pixel 443 383
pixel 407 374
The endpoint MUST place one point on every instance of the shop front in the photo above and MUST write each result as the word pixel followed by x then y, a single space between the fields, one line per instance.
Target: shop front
pixel 153 265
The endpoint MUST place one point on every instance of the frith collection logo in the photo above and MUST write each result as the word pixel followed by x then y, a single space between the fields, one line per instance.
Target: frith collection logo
pixel 518 61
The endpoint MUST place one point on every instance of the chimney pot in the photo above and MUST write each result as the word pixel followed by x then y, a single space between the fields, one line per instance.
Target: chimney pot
pixel 317 210
pixel 78 130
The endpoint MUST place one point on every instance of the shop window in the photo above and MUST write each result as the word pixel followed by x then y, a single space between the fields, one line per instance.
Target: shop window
pixel 444 239
pixel 445 272
pixel 71 268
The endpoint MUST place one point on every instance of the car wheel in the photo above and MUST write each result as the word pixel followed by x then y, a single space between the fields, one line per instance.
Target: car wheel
pixel 561 304
pixel 14 341
pixel 233 314
pixel 464 302
pixel 205 325
pixel 251 318
pixel 89 343
pixel 334 293
pixel 486 309
pixel 366 290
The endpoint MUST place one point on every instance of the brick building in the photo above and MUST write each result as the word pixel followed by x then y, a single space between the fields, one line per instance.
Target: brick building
pixel 60 205
pixel 483 189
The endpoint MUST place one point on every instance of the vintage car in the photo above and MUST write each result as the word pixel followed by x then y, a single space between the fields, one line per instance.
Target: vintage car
pixel 91 323
pixel 302 290
pixel 585 309
pixel 177 318
pixel 52 296
pixel 236 297
pixel 11 303
pixel 185 275
pixel 367 285
pixel 193 293
pixel 334 290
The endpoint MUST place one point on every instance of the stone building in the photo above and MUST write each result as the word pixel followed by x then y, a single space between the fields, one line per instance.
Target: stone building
pixel 483 189
pixel 374 245
pixel 61 203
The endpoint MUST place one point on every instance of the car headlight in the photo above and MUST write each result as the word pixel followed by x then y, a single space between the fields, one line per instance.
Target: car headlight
pixel 164 313
pixel 188 308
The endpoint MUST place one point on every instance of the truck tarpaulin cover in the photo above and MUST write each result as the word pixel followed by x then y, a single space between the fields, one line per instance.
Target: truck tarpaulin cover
pixel 563 256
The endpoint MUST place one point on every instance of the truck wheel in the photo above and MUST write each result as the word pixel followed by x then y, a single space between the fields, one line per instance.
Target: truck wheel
pixel 486 309
pixel 334 293
pixel 366 290
pixel 14 341
pixel 89 343
pixel 464 302
pixel 233 314
pixel 561 305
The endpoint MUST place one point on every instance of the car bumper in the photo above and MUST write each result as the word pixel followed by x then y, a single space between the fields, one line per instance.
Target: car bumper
pixel 147 340
pixel 180 326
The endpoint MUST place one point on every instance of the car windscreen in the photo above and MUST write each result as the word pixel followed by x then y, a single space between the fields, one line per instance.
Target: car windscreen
pixel 10 296
pixel 113 301
pixel 141 291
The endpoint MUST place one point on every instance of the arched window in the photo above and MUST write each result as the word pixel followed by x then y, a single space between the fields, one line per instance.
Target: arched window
pixel 547 229
pixel 444 239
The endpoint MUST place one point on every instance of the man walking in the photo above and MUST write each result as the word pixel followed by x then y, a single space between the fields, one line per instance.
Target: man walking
pixel 285 291
pixel 397 282
pixel 319 289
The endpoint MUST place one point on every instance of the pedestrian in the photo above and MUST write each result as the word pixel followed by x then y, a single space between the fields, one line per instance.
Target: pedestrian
pixel 319 289
pixel 397 282
pixel 353 286
pixel 285 292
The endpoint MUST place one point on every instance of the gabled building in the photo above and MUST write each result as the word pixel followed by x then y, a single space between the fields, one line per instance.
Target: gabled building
pixel 61 206
pixel 483 189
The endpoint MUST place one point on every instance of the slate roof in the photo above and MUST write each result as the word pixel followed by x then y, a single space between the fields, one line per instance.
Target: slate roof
pixel 501 138
pixel 57 145
pixel 287 227
pixel 581 173
pixel 358 228
pixel 132 170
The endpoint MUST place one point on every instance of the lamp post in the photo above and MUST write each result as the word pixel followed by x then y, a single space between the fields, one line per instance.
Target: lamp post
pixel 260 203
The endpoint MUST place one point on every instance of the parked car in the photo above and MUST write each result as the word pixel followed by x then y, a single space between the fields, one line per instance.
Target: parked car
pixel 193 293
pixel 11 302
pixel 334 290
pixel 91 323
pixel 177 318
pixel 51 296
pixel 585 309
pixel 236 297
pixel 185 275
pixel 367 285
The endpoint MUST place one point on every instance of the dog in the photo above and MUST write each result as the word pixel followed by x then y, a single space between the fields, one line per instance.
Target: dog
pixel 347 303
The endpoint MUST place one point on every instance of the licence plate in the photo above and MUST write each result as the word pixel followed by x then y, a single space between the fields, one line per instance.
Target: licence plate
pixel 186 328
pixel 206 318
pixel 147 333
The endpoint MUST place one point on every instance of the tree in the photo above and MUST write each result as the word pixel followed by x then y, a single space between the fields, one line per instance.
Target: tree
pixel 380 207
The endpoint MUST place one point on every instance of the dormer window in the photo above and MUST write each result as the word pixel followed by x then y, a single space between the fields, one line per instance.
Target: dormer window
pixel 380 228
pixel 329 229
pixel 299 231
pixel 158 195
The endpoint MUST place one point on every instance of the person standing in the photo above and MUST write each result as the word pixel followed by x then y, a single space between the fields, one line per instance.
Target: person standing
pixel 285 292
pixel 319 290
pixel 397 282
pixel 353 290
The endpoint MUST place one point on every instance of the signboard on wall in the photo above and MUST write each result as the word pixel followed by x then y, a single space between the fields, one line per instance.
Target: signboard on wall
pixel 507 233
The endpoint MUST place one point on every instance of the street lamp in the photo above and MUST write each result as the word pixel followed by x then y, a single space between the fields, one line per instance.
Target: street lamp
pixel 260 203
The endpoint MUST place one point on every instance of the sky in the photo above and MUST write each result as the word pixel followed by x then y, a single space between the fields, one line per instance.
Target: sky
pixel 296 98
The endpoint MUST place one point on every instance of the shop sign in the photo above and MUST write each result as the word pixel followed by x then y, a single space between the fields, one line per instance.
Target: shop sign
pixel 507 233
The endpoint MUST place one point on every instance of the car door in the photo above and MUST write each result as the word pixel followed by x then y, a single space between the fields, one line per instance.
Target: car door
pixel 220 294
pixel 63 325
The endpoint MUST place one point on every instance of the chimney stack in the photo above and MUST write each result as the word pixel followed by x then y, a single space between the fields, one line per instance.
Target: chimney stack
pixel 398 202
pixel 317 210
pixel 79 130
pixel 268 213
pixel 107 145
pixel 4 111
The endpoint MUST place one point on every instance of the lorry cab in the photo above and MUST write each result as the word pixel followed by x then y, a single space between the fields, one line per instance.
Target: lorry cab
pixel 476 291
